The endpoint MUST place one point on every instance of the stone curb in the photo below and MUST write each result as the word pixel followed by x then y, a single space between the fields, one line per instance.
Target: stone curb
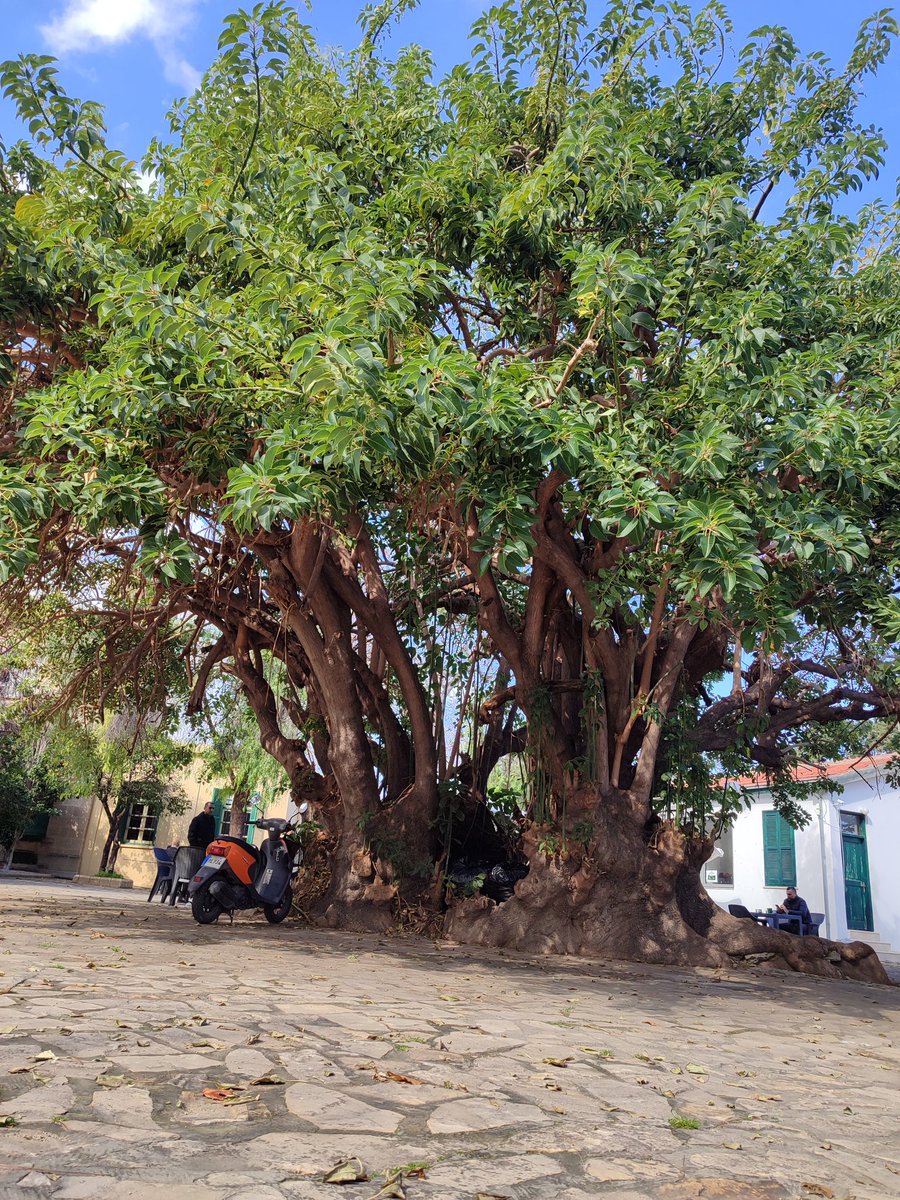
pixel 102 881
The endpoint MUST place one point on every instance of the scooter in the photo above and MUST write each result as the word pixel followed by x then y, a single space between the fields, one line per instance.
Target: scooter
pixel 236 874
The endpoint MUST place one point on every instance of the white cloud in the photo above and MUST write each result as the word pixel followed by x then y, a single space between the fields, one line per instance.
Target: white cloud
pixel 93 24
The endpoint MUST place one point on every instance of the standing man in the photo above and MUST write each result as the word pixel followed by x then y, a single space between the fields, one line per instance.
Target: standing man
pixel 202 829
pixel 796 906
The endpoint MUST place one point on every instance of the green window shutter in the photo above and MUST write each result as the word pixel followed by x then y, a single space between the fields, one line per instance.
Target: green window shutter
pixel 36 830
pixel 779 860
pixel 218 808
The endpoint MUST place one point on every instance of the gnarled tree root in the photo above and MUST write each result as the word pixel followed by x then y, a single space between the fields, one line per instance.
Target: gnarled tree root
pixel 551 913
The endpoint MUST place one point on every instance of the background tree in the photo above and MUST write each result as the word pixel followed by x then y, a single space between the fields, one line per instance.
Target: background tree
pixel 506 373
pixel 97 728
pixel 227 737
pixel 28 788
pixel 124 760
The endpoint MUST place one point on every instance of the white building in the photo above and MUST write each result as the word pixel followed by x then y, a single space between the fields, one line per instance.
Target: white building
pixel 845 862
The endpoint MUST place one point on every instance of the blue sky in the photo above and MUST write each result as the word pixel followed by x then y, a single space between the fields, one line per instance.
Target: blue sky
pixel 134 56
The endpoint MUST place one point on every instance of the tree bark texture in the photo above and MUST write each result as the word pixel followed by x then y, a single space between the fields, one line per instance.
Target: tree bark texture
pixel 637 896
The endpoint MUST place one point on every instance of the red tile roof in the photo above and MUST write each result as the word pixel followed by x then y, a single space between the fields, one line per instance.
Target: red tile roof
pixel 832 770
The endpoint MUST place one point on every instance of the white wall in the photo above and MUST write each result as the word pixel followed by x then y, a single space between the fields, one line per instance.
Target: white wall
pixel 872 796
pixel 820 870
pixel 749 887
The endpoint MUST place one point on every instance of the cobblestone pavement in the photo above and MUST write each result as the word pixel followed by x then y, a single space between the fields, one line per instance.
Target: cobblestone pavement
pixel 473 1073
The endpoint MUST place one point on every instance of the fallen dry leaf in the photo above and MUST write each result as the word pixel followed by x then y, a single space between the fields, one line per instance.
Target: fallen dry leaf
pixel 817 1189
pixel 392 1189
pixel 351 1170
pixel 766 1097
pixel 398 1078
pixel 222 1093
pixel 696 1069
pixel 557 1062
pixel 44 1056
pixel 267 1080
pixel 113 1081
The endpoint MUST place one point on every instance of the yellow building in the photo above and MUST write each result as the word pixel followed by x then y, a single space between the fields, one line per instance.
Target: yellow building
pixel 71 842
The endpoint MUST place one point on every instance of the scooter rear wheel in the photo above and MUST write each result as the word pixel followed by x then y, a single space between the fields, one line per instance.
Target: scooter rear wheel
pixel 205 908
pixel 276 913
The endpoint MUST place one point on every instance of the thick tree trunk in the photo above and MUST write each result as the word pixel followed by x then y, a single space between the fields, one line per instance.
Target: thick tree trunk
pixel 637 896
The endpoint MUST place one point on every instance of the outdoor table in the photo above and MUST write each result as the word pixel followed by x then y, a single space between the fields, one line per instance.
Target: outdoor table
pixel 777 920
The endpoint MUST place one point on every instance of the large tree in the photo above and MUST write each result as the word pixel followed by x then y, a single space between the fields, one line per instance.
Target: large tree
pixel 563 387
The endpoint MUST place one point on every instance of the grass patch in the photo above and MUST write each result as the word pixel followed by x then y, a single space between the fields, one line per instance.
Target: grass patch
pixel 410 1168
pixel 684 1123
pixel 110 875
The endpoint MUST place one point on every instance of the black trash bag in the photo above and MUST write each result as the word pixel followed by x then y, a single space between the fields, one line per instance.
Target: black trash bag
pixel 499 879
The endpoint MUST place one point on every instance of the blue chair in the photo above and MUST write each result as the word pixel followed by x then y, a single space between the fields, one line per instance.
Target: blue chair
pixel 165 874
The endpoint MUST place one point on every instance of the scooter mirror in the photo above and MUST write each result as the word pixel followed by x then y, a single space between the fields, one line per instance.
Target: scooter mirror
pixel 303 809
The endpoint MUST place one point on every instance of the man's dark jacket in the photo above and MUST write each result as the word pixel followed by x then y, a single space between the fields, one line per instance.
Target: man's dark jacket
pixel 800 908
pixel 202 830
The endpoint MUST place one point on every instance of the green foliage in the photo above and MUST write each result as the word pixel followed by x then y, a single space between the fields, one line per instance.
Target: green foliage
pixel 227 736
pixel 29 787
pixel 684 1123
pixel 586 256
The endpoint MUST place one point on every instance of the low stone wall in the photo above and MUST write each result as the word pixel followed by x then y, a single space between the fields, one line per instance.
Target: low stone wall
pixel 102 881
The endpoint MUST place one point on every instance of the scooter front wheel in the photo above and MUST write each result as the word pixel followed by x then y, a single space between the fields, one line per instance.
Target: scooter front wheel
pixel 205 908
pixel 275 913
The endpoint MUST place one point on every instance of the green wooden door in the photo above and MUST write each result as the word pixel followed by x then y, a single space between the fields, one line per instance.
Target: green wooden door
pixel 857 889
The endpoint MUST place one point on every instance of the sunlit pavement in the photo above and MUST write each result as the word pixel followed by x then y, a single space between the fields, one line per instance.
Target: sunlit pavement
pixel 466 1072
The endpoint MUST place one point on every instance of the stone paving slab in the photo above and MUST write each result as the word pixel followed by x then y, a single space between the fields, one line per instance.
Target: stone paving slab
pixel 471 1072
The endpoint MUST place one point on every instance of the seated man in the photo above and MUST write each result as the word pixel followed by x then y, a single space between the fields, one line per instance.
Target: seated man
pixel 796 906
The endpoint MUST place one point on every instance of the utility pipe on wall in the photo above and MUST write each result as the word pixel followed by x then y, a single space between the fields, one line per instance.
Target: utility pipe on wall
pixel 826 872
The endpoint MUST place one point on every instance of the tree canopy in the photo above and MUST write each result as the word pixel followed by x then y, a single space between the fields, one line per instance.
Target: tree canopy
pixel 554 401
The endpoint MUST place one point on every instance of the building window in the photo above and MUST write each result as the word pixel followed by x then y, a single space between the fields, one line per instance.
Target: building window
pixel 37 828
pixel 779 859
pixel 853 823
pixel 233 824
pixel 140 824
pixel 718 870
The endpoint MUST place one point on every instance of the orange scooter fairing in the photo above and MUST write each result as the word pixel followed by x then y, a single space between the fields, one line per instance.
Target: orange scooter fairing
pixel 239 859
